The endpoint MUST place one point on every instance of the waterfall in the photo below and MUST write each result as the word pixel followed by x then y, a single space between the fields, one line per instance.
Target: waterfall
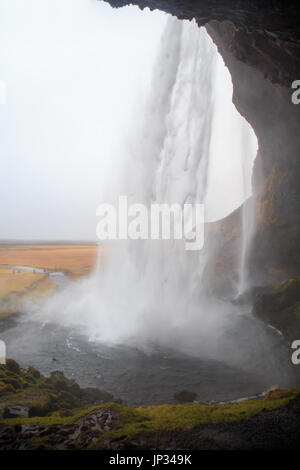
pixel 248 225
pixel 150 291
pixel 172 154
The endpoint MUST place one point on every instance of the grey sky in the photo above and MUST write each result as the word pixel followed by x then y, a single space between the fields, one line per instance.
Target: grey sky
pixel 76 73
pixel 72 70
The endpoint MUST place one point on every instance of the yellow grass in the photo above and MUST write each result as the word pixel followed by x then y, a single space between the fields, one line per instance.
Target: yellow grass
pixel 18 282
pixel 77 274
pixel 18 286
pixel 54 257
pixel 42 288
pixel 17 289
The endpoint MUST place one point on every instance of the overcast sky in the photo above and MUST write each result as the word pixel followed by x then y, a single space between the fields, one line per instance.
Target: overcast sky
pixel 73 70
pixel 75 74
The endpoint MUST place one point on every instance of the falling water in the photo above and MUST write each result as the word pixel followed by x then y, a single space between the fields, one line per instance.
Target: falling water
pixel 171 158
pixel 147 296
pixel 248 225
pixel 151 291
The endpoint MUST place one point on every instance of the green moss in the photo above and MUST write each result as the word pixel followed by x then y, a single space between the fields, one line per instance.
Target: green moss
pixel 58 406
pixel 280 306
pixel 54 418
pixel 13 382
pixel 296 309
pixel 32 372
pixel 148 420
pixel 12 366
pixel 44 395
pixel 163 418
pixel 289 290
pixel 6 389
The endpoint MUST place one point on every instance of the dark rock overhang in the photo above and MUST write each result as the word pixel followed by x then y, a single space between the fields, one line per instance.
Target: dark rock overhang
pixel 260 44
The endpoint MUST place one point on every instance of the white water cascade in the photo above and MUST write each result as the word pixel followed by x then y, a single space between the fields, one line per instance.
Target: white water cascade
pixel 188 141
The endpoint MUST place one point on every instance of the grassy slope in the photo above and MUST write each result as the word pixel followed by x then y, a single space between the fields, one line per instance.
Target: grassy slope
pixel 154 420
pixel 43 395
pixel 56 394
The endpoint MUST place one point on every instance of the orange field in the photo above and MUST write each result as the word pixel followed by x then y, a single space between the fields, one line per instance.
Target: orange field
pixel 12 282
pixel 65 257
pixel 18 285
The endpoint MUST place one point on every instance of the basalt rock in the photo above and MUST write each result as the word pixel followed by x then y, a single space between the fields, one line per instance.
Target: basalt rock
pixel 185 396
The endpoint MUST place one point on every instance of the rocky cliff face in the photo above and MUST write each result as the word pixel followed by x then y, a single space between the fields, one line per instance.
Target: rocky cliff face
pixel 265 35
pixel 260 44
pixel 262 94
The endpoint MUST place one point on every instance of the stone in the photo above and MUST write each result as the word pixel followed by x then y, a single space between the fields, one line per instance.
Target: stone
pixel 16 412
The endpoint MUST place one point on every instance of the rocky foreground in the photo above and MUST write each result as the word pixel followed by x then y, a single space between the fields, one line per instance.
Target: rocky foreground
pixel 53 412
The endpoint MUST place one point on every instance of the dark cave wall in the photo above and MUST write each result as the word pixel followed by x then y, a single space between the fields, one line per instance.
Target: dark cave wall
pixel 260 44
pixel 266 104
pixel 275 24
pixel 275 16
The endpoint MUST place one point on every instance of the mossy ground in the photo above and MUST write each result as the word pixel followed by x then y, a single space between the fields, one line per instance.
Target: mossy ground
pixel 156 420
pixel 280 306
pixel 44 395
pixel 61 406
pixel 159 419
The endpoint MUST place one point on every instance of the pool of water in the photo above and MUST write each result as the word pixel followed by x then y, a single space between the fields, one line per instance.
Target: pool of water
pixel 142 375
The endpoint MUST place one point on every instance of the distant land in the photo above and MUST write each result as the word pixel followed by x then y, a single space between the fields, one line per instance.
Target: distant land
pixel 26 267
pixel 46 242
